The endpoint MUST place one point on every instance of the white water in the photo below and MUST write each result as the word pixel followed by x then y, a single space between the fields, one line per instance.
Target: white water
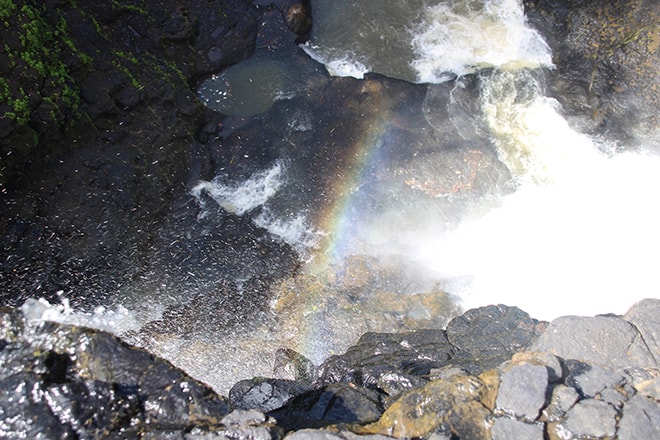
pixel 581 233
pixel 116 320
pixel 245 196
pixel 423 41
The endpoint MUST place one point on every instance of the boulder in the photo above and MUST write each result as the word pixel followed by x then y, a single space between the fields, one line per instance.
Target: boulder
pixel 522 391
pixel 640 419
pixel 487 336
pixel 602 340
pixel 589 418
pixel 71 382
pixel 645 316
pixel 447 407
pixel 331 404
pixel 507 429
pixel 379 357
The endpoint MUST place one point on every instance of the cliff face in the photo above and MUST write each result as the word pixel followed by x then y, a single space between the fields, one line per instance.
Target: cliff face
pixel 100 128
pixel 606 56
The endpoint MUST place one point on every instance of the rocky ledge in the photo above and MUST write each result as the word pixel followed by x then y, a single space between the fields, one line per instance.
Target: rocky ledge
pixel 493 373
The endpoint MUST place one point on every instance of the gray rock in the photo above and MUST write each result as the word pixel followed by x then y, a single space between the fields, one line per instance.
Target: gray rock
pixel 649 388
pixel 640 420
pixel 595 380
pixel 319 434
pixel 645 315
pixel 603 340
pixel 613 397
pixel 232 433
pixel 563 398
pixel 240 417
pixel 313 434
pixel 590 418
pixel 507 429
pixel 522 391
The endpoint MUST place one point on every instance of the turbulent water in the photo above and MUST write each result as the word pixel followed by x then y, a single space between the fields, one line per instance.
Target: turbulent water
pixel 464 186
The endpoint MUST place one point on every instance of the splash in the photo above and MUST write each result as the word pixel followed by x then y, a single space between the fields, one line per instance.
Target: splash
pixel 421 41
pixel 459 38
pixel 117 320
pixel 578 235
pixel 241 198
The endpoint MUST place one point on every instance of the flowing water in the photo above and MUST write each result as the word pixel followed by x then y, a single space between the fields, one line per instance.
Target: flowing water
pixel 451 181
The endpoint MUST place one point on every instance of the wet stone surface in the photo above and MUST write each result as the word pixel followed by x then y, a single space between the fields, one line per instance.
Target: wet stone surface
pixel 71 382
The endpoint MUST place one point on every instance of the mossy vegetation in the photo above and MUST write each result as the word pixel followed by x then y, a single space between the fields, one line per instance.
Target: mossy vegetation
pixel 38 72
pixel 129 6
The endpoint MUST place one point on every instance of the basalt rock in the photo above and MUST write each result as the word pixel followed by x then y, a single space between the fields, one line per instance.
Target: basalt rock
pixel 487 336
pixel 606 56
pixel 97 152
pixel 62 381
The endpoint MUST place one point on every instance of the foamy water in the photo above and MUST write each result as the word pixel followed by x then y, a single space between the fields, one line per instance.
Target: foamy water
pixel 426 42
pixel 243 197
pixel 579 234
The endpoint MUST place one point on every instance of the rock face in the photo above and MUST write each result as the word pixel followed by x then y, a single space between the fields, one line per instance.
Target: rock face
pixel 101 136
pixel 70 382
pixel 606 57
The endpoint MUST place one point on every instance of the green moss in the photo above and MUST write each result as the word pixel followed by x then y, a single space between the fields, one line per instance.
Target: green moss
pixel 129 6
pixel 38 60
pixel 127 57
pixel 62 33
pixel 121 66
pixel 7 8
pixel 4 90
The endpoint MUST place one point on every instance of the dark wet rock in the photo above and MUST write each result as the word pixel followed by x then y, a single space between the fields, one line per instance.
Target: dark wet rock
pixel 88 176
pixel 487 336
pixel 332 404
pixel 72 382
pixel 619 343
pixel 298 18
pixel 377 355
pixel 265 394
pixel 606 57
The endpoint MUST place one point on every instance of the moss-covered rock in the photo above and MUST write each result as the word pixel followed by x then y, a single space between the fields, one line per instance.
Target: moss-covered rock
pixel 99 130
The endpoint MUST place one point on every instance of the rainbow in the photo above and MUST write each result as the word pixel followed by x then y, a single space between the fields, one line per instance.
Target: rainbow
pixel 338 221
